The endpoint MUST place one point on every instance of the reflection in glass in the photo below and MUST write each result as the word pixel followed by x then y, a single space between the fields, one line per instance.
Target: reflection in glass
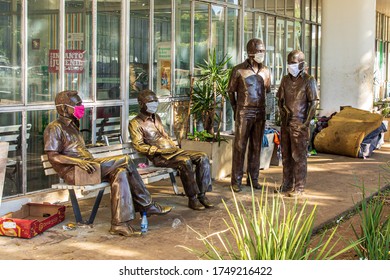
pixel 313 61
pixel 218 31
pixel 13 183
pixel 36 178
pixel 270 47
pixel 232 36
pixel 108 49
pixel 201 36
pixel 280 51
pixel 183 39
pixel 248 29
pixel 139 46
pixel 307 47
pixel 78 47
pixel 10 52
pixel 162 48
pixel 280 7
pixel 43 59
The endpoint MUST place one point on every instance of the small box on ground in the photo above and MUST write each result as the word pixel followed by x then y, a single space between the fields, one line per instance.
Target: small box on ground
pixel 31 220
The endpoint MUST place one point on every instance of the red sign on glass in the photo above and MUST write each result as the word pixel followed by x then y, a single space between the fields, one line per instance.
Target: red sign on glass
pixel 74 61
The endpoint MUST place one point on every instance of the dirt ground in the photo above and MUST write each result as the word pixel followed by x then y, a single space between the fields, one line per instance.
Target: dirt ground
pixel 334 186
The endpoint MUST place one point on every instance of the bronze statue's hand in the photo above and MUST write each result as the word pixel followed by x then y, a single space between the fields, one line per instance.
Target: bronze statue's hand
pixel 166 151
pixel 86 165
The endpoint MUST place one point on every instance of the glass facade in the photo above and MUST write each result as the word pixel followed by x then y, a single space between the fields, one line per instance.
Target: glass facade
pixel 109 50
pixel 382 58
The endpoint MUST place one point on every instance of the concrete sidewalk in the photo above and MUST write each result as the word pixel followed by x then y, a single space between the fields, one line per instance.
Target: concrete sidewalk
pixel 332 185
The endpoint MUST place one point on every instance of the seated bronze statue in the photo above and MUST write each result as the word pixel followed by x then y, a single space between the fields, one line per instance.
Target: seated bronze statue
pixel 149 138
pixel 65 148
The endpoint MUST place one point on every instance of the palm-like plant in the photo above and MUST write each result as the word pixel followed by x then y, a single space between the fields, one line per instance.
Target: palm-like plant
pixel 209 92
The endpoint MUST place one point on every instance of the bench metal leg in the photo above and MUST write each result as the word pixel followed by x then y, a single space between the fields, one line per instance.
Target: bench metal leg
pixel 75 205
pixel 174 184
pixel 96 206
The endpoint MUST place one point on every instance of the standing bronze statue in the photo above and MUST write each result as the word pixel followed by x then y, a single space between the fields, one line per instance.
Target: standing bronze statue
pixel 149 138
pixel 297 102
pixel 249 82
pixel 65 148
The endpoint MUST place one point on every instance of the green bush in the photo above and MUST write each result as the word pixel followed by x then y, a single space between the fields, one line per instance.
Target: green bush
pixel 269 230
pixel 374 229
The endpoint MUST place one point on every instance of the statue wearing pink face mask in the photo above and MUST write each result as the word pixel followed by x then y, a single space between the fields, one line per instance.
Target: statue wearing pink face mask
pixel 65 148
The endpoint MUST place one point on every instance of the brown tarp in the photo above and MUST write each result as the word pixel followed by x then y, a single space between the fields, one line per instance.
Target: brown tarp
pixel 346 131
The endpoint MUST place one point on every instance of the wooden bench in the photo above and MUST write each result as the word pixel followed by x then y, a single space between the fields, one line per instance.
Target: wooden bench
pixel 148 175
pixel 13 135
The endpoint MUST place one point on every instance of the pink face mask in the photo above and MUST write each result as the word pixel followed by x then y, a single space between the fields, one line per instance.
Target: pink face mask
pixel 78 111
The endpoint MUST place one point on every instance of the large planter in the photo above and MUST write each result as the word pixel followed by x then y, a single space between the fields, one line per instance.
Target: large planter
pixel 220 155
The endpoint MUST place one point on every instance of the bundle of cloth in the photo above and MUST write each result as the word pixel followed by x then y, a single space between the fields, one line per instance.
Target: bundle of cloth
pixel 351 132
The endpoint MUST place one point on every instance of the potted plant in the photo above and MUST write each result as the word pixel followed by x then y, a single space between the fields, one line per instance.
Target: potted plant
pixel 207 98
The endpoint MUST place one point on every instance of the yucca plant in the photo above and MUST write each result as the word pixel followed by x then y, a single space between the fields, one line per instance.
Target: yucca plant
pixel 269 230
pixel 209 91
pixel 374 229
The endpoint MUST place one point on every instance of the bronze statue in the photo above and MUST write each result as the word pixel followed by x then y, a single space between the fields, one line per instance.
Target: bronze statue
pixel 149 138
pixel 249 82
pixel 65 148
pixel 297 102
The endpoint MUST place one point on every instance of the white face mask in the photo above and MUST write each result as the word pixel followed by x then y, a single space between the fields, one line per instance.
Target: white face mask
pixel 293 69
pixel 259 57
pixel 151 107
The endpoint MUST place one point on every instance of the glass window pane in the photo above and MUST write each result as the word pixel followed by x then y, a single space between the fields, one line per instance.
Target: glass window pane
pixel 78 22
pixel 307 9
pixel 36 178
pixel 280 7
pixel 248 29
pixel 10 52
pixel 307 46
pixel 280 51
pixel 201 36
pixel 270 48
pixel 162 48
pixel 313 60
pixel 298 35
pixel 218 31
pixel 233 36
pixel 319 11
pixel 43 59
pixel 293 8
pixel 139 46
pixel 314 10
pixel 290 38
pixel 319 60
pixel 14 172
pixel 271 5
pixel 260 4
pixel 183 39
pixel 108 50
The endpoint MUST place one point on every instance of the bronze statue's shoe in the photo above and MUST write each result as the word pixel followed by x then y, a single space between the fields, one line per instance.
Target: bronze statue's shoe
pixel 254 185
pixel 157 209
pixel 236 188
pixel 124 229
pixel 195 204
pixel 205 201
pixel 284 189
pixel 296 193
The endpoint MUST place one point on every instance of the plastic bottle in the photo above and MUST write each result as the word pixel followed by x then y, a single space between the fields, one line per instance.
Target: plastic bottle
pixel 144 223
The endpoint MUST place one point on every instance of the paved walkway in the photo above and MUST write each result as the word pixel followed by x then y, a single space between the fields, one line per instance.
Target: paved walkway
pixel 333 185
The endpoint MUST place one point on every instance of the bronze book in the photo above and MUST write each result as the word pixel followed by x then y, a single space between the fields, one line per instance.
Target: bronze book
pixel 82 177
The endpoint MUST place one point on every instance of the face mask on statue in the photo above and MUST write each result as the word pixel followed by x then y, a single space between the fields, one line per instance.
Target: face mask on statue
pixel 151 107
pixel 293 69
pixel 78 111
pixel 259 57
